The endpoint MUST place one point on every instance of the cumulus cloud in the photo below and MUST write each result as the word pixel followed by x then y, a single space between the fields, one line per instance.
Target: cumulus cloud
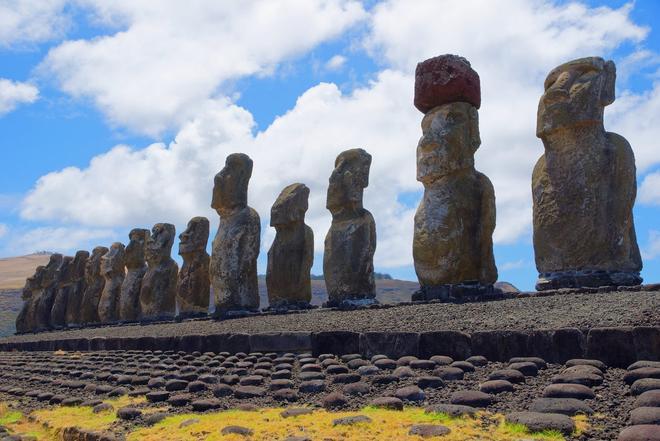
pixel 57 239
pixel 652 249
pixel 336 62
pixel 128 186
pixel 168 57
pixel 13 93
pixel 649 191
pixel 3 230
pixel 31 21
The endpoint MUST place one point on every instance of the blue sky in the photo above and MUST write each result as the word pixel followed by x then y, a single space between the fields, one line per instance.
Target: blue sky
pixel 292 84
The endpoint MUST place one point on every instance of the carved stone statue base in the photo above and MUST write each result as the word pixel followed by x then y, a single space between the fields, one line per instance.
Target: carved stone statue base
pixel 457 292
pixel 348 304
pixel 586 279
pixel 288 305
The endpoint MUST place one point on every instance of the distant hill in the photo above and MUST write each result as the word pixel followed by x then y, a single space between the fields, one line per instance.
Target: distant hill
pixel 14 270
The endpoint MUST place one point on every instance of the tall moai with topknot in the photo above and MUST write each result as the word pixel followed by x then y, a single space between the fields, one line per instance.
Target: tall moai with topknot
pixel 455 220
pixel 348 259
pixel 194 287
pixel 584 185
pixel 136 268
pixel 112 270
pixel 78 285
pixel 48 292
pixel 64 277
pixel 158 291
pixel 236 245
pixel 26 319
pixel 291 255
pixel 94 283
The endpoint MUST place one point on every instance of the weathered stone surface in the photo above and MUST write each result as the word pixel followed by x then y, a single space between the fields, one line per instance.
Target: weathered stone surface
pixel 112 270
pixel 584 185
pixel 194 287
pixel 565 406
pixel 64 277
pixel 158 291
pixel 77 290
pixel 640 432
pixel 454 223
pixel 48 292
pixel 26 319
pixel 537 422
pixel 446 79
pixel 236 245
pixel 136 268
pixel 645 415
pixel 94 283
pixel 351 241
pixel 291 255
pixel 428 430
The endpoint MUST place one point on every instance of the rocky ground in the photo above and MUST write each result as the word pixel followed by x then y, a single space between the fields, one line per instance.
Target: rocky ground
pixel 182 382
pixel 583 311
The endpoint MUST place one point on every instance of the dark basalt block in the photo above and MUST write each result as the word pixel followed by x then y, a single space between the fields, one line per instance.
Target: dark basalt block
pixel 445 79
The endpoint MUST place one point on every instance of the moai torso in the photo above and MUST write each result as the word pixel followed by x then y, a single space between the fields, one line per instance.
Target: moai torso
pixel 235 248
pixel 194 286
pixel 26 319
pixel 350 244
pixel 64 277
pixel 136 268
pixel 94 283
pixel 112 270
pixel 158 292
pixel 584 185
pixel 291 255
pixel 48 293
pixel 74 302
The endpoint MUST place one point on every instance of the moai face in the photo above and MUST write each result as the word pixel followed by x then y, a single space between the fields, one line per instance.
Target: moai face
pixel 159 244
pixel 196 236
pixel 51 270
pixel 451 137
pixel 113 260
pixel 64 273
pixel 79 263
pixel 135 250
pixel 33 282
pixel 290 206
pixel 93 266
pixel 231 183
pixel 576 94
pixel 348 180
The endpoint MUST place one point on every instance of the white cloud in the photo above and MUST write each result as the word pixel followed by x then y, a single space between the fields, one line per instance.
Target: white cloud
pixel 649 191
pixel 3 230
pixel 31 21
pixel 513 265
pixel 169 56
pixel 336 62
pixel 56 239
pixel 13 93
pixel 652 249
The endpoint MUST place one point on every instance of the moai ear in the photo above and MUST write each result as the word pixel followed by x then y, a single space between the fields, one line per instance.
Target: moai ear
pixel 475 139
pixel 607 93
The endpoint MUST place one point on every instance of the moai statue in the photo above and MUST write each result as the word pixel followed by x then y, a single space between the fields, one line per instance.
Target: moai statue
pixel 112 270
pixel 64 277
pixel 136 268
pixel 194 285
pixel 78 285
pixel 48 292
pixel 455 220
pixel 158 292
pixel 236 245
pixel 348 260
pixel 94 283
pixel 291 255
pixel 584 185
pixel 25 321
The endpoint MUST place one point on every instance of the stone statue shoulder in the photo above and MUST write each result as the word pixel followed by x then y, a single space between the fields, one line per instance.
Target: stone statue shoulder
pixel 621 146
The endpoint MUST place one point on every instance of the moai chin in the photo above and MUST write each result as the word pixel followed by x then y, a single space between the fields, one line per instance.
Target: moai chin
pixel 158 291
pixel 112 270
pixel 26 319
pixel 64 277
pixel 348 260
pixel 78 285
pixel 94 283
pixel 455 220
pixel 194 286
pixel 236 245
pixel 48 292
pixel 584 185
pixel 291 255
pixel 136 268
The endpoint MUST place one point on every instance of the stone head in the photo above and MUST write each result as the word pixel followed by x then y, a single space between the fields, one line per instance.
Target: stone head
pixel 451 137
pixel 134 252
pixel 50 273
pixel 290 206
pixel 93 265
pixel 576 94
pixel 231 183
pixel 64 273
pixel 348 180
pixel 113 261
pixel 33 283
pixel 79 263
pixel 159 244
pixel 196 236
